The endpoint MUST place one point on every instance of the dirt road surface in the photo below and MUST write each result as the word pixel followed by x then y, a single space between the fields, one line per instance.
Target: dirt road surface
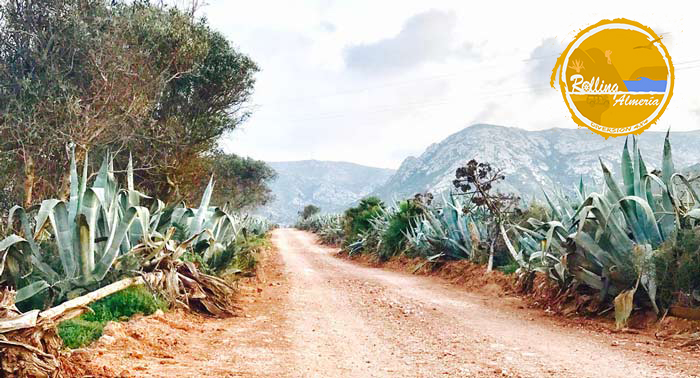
pixel 312 314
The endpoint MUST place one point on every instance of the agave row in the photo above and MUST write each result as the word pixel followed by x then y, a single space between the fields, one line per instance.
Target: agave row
pixel 608 239
pixel 102 231
pixel 329 227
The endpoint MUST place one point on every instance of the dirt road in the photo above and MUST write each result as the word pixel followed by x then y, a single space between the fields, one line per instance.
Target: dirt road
pixel 315 315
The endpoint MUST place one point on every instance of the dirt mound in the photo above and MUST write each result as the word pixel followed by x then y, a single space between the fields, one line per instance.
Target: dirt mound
pixel 79 364
pixel 681 333
pixel 462 273
pixel 471 276
pixel 543 292
pixel 139 343
pixel 316 315
pixel 180 343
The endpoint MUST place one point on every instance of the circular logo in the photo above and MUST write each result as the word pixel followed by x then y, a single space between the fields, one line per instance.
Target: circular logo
pixel 616 77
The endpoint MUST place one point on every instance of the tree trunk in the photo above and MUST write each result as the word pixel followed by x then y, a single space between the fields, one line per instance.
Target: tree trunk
pixel 489 267
pixel 75 307
pixel 29 180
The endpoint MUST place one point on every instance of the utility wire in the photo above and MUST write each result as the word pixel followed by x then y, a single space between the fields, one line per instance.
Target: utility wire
pixel 399 83
pixel 685 65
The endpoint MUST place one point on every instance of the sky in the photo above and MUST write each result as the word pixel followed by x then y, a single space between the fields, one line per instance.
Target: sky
pixel 372 82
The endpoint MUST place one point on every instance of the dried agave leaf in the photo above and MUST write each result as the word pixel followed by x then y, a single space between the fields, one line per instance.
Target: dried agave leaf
pixel 185 286
pixel 27 348
pixel 624 303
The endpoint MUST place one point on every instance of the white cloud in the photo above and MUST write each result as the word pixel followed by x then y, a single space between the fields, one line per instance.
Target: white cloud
pixel 540 64
pixel 327 27
pixel 369 81
pixel 425 37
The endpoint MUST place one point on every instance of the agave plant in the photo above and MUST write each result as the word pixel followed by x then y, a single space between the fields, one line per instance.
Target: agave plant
pixel 619 231
pixel 255 225
pixel 608 240
pixel 209 229
pixel 100 227
pixel 329 227
pixel 445 230
pixel 371 240
pixel 331 232
pixel 89 230
pixel 544 244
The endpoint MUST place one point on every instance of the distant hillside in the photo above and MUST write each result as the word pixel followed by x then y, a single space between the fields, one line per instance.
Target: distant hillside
pixel 332 186
pixel 531 159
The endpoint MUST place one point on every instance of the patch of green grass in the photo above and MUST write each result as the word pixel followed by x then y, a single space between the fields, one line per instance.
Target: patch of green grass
pixel 509 268
pixel 88 327
pixel 77 333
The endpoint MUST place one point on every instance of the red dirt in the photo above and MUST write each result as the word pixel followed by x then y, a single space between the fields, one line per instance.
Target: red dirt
pixel 543 295
pixel 462 273
pixel 312 314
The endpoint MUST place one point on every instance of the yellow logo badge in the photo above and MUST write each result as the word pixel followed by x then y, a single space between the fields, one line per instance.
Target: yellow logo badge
pixel 616 77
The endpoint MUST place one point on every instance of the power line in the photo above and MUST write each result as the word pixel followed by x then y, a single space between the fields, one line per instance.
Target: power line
pixel 399 83
pixel 422 79
pixel 692 64
pixel 414 105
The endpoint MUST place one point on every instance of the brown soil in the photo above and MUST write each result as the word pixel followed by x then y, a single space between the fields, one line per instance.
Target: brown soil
pixel 312 314
pixel 462 273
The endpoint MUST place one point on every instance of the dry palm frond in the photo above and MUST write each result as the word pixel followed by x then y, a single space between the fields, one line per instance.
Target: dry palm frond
pixel 28 347
pixel 184 285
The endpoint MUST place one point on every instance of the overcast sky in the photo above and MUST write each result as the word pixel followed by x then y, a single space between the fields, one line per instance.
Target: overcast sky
pixel 373 82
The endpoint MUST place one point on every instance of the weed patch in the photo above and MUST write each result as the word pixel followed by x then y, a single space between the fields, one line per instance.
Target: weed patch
pixel 119 306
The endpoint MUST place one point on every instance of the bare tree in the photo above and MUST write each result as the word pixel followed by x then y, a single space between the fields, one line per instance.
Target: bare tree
pixel 477 180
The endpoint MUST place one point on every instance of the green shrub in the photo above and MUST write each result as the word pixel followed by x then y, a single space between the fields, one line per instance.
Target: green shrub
pixel 509 268
pixel 77 333
pixel 357 220
pixel 238 254
pixel 394 238
pixel 244 261
pixel 677 265
pixel 244 256
pixel 534 210
pixel 88 327
pixel 198 260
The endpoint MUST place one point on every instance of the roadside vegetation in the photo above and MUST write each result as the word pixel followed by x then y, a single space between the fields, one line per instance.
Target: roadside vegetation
pixel 87 328
pixel 631 244
pixel 116 195
pixel 329 228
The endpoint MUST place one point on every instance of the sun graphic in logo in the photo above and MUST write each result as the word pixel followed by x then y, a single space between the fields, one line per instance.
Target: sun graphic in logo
pixel 616 77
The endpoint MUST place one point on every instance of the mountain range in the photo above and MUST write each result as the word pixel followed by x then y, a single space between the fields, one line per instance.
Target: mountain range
pixel 330 185
pixel 531 161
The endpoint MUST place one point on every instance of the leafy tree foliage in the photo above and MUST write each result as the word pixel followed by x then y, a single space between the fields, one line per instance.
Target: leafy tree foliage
pixel 244 181
pixel 358 219
pixel 309 211
pixel 203 99
pixel 111 76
